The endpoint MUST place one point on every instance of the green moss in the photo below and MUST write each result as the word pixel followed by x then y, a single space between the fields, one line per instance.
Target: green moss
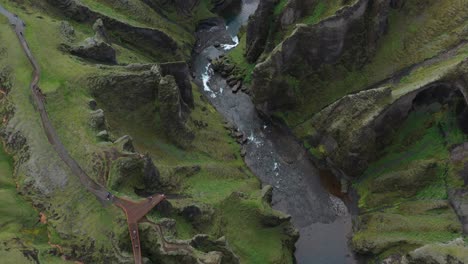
pixel 77 219
pixel 412 37
pixel 239 221
pixel 399 219
pixel 280 7
pixel 20 228
pixel 237 57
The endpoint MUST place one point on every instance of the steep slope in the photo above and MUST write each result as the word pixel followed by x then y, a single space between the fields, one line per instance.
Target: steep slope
pixel 114 120
pixel 376 90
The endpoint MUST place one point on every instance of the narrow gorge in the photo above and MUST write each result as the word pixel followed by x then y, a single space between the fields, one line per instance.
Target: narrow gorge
pixel 261 131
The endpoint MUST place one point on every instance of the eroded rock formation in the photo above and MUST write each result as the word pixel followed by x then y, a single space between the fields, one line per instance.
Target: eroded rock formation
pixel 172 116
pixel 310 46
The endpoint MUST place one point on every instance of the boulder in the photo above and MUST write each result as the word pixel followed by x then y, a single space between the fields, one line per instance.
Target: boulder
pixel 103 135
pixel 151 176
pixel 125 144
pixel 274 218
pixel 267 194
pixel 197 214
pixel 67 31
pixel 100 32
pixel 310 46
pixel 124 170
pixel 92 104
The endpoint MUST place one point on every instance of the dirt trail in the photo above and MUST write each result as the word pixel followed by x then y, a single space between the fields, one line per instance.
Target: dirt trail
pixel 134 211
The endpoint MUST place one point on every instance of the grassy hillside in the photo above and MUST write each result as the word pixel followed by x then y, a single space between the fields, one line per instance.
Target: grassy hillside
pixel 83 229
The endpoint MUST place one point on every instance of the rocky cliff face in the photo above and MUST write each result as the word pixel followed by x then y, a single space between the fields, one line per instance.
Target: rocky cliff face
pixel 148 39
pixel 172 116
pixel 258 29
pixel 181 73
pixel 306 49
pixel 96 48
pixel 184 7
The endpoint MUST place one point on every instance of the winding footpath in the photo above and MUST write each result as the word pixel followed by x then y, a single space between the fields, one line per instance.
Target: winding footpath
pixel 134 211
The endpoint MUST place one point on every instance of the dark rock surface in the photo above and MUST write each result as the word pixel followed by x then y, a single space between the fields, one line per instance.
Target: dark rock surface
pixel 459 196
pixel 127 89
pixel 183 7
pixel 356 126
pixel 257 30
pixel 97 48
pixel 148 39
pixel 172 116
pixel 125 143
pixel 151 176
pixel 310 46
pixel 210 32
pixel 221 6
pixel 205 244
pixel 97 120
pixel 181 73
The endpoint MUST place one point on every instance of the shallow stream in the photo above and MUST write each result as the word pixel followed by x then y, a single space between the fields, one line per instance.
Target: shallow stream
pixel 276 158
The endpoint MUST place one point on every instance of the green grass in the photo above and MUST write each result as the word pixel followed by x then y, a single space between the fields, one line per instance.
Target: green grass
pixel 237 57
pixel 412 37
pixel 398 219
pixel 280 7
pixel 239 221
pixel 80 219
pixel 19 221
pixel 138 14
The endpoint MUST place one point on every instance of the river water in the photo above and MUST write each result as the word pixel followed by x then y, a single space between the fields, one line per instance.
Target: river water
pixel 277 159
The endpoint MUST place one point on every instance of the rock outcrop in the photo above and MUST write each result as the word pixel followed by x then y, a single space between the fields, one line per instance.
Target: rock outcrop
pixel 97 120
pixel 97 48
pixel 220 6
pixel 181 73
pixel 258 29
pixel 352 129
pixel 310 46
pixel 173 119
pixel 150 40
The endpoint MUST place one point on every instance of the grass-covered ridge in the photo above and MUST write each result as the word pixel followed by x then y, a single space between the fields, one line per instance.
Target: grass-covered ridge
pixel 403 195
pixel 76 221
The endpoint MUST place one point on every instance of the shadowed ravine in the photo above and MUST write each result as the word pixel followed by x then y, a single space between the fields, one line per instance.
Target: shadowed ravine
pixel 277 158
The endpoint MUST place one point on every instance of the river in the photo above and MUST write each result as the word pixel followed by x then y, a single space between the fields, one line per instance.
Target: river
pixel 277 159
